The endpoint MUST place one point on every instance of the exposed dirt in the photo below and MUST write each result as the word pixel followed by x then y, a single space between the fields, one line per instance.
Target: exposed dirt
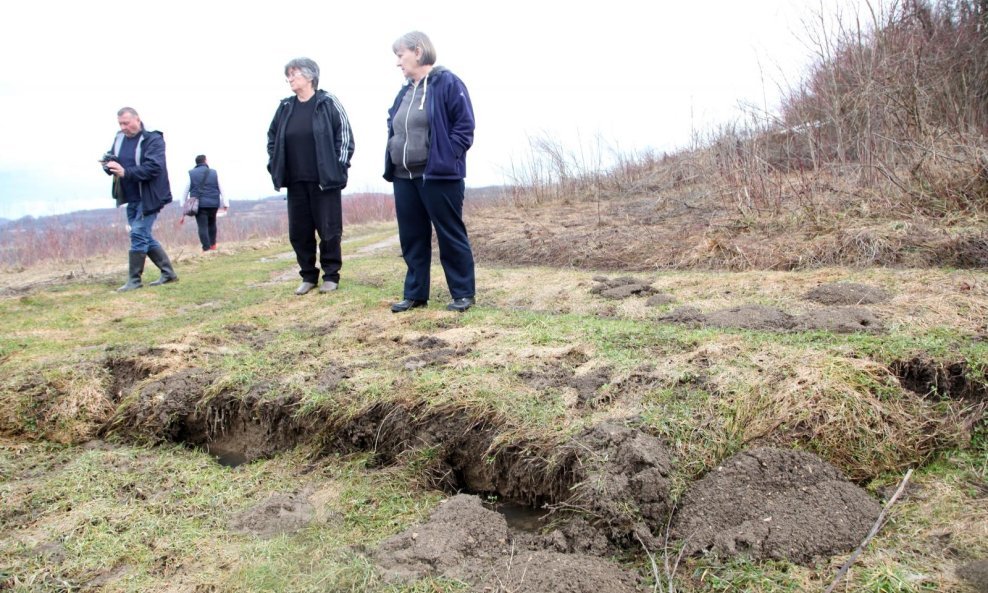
pixel 463 540
pixel 847 293
pixel 840 320
pixel 585 382
pixel 757 317
pixel 280 513
pixel 620 288
pixel 774 503
pixel 975 574
pixel 175 408
pixel 953 380
pixel 764 318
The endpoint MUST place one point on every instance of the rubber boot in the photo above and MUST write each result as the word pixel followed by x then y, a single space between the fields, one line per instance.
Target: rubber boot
pixel 160 259
pixel 135 270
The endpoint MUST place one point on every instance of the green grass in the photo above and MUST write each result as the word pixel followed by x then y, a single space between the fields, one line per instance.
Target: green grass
pixel 147 517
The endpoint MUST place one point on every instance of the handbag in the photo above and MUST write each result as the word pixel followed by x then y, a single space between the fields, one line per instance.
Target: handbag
pixel 191 207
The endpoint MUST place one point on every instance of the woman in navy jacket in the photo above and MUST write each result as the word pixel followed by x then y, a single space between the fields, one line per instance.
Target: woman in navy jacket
pixel 430 129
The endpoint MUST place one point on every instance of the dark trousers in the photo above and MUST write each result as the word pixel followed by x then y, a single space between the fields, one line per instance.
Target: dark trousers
pixel 313 211
pixel 206 221
pixel 420 205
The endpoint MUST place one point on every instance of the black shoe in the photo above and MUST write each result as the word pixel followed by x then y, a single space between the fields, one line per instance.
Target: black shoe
pixel 407 304
pixel 460 305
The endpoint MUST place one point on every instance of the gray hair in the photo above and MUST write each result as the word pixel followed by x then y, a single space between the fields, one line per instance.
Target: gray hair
pixel 306 67
pixel 128 110
pixel 417 39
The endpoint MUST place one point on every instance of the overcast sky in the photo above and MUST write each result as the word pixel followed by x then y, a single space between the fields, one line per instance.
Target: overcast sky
pixel 624 74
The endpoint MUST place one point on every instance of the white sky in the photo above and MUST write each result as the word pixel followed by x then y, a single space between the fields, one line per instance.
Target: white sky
pixel 634 74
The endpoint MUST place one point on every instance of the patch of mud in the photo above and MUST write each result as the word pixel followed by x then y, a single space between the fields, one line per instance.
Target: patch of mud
pixel 774 503
pixel 331 378
pixel 463 540
pixel 280 513
pixel 847 293
pixel 840 320
pixel 975 574
pixel 620 288
pixel 125 372
pixel 250 335
pixel 438 357
pixel 927 377
pixel 554 375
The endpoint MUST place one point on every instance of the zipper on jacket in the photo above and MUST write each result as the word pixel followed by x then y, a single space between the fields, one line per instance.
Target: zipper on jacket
pixel 404 148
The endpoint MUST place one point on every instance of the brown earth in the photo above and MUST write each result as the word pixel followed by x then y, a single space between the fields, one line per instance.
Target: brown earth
pixel 773 503
pixel 463 540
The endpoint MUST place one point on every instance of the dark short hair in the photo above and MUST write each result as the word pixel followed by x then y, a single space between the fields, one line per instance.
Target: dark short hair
pixel 307 67
pixel 200 159
pixel 417 39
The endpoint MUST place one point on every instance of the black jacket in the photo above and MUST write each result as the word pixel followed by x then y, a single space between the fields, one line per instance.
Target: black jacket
pixel 334 141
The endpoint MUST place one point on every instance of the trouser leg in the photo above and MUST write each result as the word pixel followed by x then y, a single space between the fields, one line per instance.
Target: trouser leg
pixel 302 231
pixel 415 235
pixel 327 214
pixel 202 225
pixel 444 202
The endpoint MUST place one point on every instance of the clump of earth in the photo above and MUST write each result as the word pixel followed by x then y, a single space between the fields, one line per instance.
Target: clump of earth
pixel 847 293
pixel 770 503
pixel 620 288
pixel 463 540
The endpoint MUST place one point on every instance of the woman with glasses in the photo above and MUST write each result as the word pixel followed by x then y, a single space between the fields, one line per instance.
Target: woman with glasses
pixel 309 149
pixel 430 129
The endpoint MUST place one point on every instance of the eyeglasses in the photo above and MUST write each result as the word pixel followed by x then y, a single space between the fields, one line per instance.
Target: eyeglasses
pixel 292 76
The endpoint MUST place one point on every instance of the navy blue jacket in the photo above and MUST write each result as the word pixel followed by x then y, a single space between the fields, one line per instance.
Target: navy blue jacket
pixel 451 126
pixel 151 171
pixel 204 183
pixel 334 141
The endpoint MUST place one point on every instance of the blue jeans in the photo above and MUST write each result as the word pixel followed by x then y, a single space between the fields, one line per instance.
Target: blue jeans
pixel 141 239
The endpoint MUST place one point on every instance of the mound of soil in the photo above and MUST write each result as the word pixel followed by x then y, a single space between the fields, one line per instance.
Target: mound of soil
pixel 847 293
pixel 465 541
pixel 620 288
pixel 758 317
pixel 685 315
pixel 774 503
pixel 623 482
pixel 841 320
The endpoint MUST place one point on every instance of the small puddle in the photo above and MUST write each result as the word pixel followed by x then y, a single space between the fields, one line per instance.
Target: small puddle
pixel 519 516
pixel 226 457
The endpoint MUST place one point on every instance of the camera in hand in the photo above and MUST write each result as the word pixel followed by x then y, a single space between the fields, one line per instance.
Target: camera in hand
pixel 108 157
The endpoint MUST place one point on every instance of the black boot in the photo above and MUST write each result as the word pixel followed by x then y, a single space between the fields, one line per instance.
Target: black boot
pixel 160 259
pixel 136 268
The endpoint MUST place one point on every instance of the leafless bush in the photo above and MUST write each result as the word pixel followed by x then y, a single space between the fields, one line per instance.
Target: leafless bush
pixel 80 235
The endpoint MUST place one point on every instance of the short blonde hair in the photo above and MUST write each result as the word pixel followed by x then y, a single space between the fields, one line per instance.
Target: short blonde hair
pixel 417 39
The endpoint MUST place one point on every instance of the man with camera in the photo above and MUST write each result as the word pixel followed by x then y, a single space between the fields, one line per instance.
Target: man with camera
pixel 140 180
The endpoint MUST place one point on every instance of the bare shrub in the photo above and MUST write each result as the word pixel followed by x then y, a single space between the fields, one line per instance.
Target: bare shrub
pixel 80 235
